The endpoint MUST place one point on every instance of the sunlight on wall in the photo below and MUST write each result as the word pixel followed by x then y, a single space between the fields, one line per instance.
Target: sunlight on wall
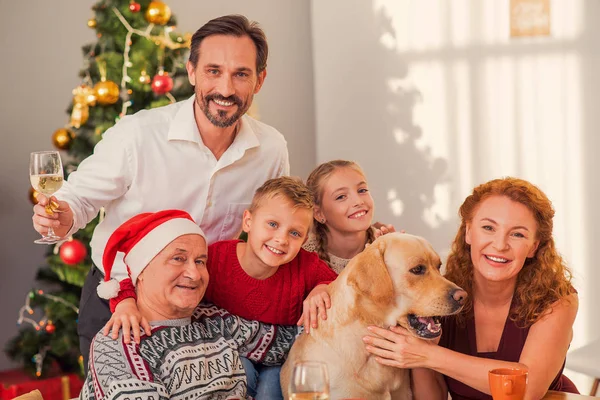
pixel 395 203
pixel 464 162
pixel 493 106
pixel 427 25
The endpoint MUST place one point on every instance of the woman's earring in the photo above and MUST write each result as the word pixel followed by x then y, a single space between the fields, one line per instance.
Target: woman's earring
pixel 322 221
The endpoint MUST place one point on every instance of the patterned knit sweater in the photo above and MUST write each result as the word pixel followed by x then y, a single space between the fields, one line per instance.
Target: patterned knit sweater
pixel 275 300
pixel 190 358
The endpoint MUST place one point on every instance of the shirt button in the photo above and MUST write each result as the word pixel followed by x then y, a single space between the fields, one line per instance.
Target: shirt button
pixel 209 204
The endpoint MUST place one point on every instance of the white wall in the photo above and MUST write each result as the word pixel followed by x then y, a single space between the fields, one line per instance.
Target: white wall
pixel 40 45
pixel 432 97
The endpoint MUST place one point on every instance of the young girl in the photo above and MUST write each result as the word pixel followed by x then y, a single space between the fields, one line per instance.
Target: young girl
pixel 343 213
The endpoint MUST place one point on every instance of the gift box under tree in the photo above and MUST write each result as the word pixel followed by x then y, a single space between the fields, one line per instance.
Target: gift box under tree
pixel 14 383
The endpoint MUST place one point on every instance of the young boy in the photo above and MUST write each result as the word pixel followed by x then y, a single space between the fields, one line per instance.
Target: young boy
pixel 269 278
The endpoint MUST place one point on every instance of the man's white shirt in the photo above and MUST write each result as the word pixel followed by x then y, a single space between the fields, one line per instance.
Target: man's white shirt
pixel 155 160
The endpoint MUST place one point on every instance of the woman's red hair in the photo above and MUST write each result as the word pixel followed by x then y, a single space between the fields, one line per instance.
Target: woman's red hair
pixel 544 279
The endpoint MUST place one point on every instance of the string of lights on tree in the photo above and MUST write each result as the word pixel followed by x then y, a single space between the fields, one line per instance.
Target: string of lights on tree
pixel 72 252
pixel 43 325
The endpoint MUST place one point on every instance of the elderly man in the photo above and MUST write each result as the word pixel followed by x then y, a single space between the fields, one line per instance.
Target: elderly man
pixel 191 354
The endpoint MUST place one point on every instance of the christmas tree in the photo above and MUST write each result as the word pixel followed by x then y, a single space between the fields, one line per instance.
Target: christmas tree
pixel 138 62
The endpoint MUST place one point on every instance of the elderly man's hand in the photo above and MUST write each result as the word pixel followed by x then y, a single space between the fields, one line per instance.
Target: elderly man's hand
pixel 127 316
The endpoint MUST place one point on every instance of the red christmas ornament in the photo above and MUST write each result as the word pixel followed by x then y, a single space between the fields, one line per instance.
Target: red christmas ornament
pixel 162 83
pixel 134 7
pixel 50 328
pixel 72 252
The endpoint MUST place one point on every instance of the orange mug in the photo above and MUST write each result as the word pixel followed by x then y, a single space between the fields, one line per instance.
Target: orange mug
pixel 508 383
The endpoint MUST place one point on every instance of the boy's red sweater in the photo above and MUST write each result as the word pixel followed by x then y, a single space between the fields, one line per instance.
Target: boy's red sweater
pixel 275 300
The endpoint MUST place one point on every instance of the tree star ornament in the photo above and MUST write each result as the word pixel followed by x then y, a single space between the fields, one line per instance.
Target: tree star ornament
pixel 158 13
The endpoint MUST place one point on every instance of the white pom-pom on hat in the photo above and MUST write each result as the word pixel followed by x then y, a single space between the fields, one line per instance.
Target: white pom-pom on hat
pixel 108 289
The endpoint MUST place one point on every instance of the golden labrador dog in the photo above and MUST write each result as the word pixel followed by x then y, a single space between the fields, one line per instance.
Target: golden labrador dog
pixel 394 281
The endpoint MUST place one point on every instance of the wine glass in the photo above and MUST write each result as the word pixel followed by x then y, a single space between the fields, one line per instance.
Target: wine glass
pixel 310 381
pixel 46 176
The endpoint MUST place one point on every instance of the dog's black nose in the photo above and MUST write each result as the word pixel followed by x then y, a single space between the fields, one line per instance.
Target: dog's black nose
pixel 459 296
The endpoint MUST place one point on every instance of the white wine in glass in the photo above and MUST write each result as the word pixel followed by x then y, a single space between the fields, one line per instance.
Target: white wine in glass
pixel 310 381
pixel 46 177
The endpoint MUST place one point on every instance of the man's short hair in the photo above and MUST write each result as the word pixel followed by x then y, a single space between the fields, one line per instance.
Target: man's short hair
pixel 291 189
pixel 232 25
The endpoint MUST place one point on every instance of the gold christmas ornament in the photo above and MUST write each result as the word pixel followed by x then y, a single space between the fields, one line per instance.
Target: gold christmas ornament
pixel 92 23
pixel 84 94
pixel 62 138
pixel 79 115
pixel 158 13
pixel 83 97
pixel 33 196
pixel 107 92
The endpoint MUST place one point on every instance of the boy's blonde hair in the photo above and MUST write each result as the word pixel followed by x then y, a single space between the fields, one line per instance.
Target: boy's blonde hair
pixel 291 189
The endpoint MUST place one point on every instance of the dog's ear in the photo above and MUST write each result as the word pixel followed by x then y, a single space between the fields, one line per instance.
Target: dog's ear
pixel 369 275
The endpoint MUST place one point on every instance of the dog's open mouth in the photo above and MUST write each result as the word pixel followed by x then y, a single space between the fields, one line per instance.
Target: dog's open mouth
pixel 425 327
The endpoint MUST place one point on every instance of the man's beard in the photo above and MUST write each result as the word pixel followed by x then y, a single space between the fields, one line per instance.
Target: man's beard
pixel 221 120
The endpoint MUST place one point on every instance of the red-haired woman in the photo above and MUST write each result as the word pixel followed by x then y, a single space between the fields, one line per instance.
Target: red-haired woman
pixel 521 305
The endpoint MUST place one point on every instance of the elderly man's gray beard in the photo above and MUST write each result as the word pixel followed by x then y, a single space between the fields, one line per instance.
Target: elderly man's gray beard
pixel 220 120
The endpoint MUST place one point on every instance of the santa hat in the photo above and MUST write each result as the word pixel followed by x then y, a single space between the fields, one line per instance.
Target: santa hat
pixel 141 238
